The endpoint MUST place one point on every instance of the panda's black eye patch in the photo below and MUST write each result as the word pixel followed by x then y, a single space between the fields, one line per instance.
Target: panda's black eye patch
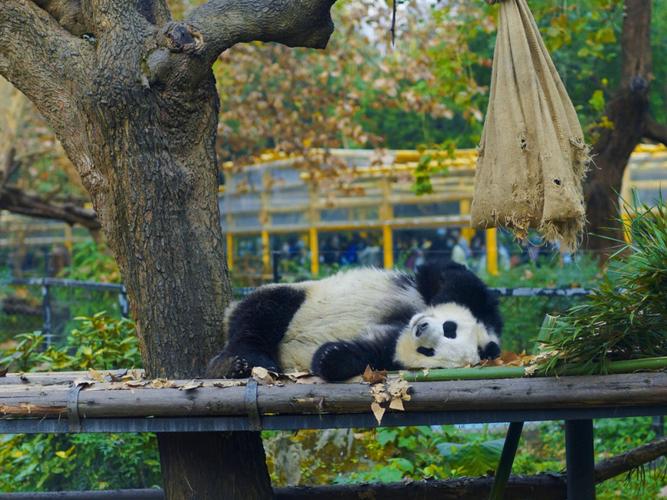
pixel 449 329
pixel 426 351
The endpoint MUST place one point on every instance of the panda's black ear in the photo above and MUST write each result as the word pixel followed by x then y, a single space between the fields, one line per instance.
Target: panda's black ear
pixel 429 280
pixel 432 279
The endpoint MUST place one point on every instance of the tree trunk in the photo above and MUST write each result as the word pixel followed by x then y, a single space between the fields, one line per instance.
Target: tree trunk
pixel 131 96
pixel 628 112
pixel 158 206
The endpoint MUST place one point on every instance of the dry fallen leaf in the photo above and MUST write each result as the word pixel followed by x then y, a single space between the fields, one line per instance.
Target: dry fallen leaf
pixel 310 380
pixel 397 404
pixel 162 383
pixel 378 411
pixel 192 385
pixel 264 376
pixel 379 393
pixel 297 375
pixel 136 383
pixel 116 376
pixel 394 391
pixel 529 371
pixel 229 383
pixel 96 376
pixel 374 377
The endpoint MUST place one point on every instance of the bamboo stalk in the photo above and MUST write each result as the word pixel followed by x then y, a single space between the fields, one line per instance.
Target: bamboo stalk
pixel 473 373
pixel 504 372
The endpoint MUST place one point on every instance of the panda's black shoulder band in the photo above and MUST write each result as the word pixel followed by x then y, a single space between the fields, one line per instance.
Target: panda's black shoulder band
pixel 254 419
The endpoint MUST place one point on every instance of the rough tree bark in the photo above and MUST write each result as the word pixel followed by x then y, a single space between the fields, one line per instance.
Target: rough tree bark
pixel 133 102
pixel 628 110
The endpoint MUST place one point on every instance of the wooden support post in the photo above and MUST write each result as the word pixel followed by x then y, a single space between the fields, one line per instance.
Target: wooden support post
pixel 467 232
pixel 506 460
pixel 492 251
pixel 388 246
pixel 266 252
pixel 313 236
pixel 47 326
pixel 580 459
pixel 658 426
pixel 314 251
pixel 123 304
pixel 230 251
pixel 386 215
pixel 265 220
pixel 625 204
pixel 69 239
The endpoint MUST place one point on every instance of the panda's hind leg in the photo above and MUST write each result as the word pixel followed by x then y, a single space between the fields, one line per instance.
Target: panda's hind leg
pixel 230 364
pixel 256 327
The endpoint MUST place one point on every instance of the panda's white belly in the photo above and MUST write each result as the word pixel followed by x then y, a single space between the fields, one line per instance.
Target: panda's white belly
pixel 341 307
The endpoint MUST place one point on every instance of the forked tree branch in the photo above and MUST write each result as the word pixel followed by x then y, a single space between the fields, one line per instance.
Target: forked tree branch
pixel 40 57
pixel 655 131
pixel 295 23
pixel 155 11
pixel 67 13
pixel 219 24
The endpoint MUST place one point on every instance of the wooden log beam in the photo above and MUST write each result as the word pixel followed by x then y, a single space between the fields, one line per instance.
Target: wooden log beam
pixel 63 378
pixel 212 398
pixel 544 486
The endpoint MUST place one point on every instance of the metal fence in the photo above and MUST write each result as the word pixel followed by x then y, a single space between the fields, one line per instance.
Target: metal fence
pixel 49 286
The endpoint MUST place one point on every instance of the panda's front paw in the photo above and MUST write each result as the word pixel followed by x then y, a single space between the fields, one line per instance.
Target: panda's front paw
pixel 335 361
pixel 239 368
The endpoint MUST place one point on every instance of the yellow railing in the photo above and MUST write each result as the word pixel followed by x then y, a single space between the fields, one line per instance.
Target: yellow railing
pixel 379 187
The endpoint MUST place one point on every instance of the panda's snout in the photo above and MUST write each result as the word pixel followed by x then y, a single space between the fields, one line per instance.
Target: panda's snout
pixel 449 329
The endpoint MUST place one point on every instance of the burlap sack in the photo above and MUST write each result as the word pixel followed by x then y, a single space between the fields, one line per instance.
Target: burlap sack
pixel 532 158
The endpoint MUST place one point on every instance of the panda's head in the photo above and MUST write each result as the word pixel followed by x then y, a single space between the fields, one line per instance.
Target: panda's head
pixel 460 325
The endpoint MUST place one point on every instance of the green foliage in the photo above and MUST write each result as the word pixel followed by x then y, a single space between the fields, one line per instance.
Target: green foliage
pixel 78 461
pixel 53 462
pixel 444 452
pixel 627 316
pixel 473 458
pixel 523 315
pixel 92 262
pixel 101 342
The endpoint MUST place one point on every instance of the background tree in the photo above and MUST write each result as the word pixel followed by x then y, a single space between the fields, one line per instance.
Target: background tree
pixel 627 120
pixel 36 178
pixel 431 89
pixel 131 96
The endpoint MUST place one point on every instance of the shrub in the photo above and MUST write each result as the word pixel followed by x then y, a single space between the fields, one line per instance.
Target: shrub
pixel 627 316
pixel 78 461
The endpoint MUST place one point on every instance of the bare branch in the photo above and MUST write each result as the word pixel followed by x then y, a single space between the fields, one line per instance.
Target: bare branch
pixel 655 131
pixel 40 57
pixel 295 23
pixel 19 202
pixel 632 459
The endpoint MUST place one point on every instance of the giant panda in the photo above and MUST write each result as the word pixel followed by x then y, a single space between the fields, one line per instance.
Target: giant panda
pixel 442 316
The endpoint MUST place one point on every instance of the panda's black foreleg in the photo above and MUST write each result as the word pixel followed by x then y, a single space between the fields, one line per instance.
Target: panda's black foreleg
pixel 336 361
